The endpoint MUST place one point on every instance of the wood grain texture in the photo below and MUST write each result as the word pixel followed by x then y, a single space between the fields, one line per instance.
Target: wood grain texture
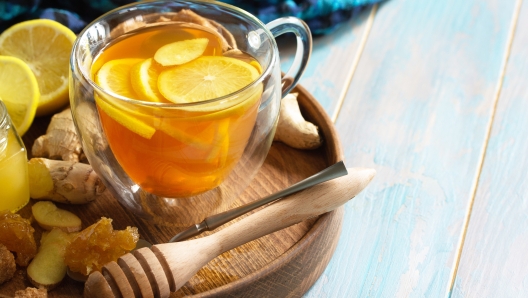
pixel 417 111
pixel 493 260
pixel 281 264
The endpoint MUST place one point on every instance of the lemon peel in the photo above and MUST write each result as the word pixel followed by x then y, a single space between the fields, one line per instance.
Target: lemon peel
pixel 144 78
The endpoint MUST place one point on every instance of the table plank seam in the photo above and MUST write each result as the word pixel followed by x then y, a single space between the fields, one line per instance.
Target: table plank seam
pixel 355 62
pixel 474 188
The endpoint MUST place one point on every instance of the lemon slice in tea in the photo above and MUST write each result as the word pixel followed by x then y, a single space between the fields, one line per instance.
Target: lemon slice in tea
pixel 114 76
pixel 44 45
pixel 205 78
pixel 19 91
pixel 144 77
pixel 181 52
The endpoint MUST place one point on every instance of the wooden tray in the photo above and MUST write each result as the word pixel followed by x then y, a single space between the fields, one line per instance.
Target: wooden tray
pixel 285 263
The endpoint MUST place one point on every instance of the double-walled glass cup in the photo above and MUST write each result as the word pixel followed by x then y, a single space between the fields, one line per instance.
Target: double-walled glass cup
pixel 176 163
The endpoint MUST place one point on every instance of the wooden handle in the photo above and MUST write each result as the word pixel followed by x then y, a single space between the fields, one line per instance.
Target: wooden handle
pixel 305 204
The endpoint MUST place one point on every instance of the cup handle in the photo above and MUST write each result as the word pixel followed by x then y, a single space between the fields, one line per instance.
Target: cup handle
pixel 304 48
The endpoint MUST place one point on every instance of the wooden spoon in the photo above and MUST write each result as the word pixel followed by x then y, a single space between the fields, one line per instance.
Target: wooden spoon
pixel 169 266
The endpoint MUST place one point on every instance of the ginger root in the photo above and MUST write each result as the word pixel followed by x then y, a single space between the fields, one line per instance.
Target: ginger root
pixel 63 181
pixel 48 268
pixel 7 263
pixel 48 216
pixel 292 129
pixel 60 141
pixel 30 292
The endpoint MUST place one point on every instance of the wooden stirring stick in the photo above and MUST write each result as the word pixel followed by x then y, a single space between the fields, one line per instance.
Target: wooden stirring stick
pixel 169 266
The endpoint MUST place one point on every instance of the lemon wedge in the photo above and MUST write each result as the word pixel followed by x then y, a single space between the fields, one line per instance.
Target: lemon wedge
pixel 45 46
pixel 114 76
pixel 181 52
pixel 205 78
pixel 19 91
pixel 144 78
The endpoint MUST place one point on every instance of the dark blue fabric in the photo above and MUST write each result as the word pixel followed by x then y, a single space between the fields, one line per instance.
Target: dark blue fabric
pixel 322 16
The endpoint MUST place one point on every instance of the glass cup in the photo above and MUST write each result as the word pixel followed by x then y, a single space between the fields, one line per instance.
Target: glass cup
pixel 177 163
pixel 14 183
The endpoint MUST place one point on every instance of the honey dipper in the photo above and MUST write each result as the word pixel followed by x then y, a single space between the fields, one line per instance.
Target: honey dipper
pixel 164 268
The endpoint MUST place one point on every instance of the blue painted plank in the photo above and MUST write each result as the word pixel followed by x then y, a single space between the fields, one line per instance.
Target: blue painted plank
pixel 494 256
pixel 332 56
pixel 417 111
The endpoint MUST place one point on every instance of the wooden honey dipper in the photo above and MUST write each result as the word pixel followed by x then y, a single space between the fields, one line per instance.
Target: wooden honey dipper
pixel 164 268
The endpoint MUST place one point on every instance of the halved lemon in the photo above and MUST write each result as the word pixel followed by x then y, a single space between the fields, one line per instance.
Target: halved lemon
pixel 181 52
pixel 144 78
pixel 19 91
pixel 205 78
pixel 45 46
pixel 114 76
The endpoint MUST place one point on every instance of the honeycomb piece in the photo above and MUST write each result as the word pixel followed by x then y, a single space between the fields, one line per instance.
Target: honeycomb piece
pixel 99 244
pixel 16 233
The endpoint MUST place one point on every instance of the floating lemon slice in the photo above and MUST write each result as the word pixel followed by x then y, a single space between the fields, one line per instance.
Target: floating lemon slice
pixel 45 46
pixel 114 76
pixel 205 78
pixel 181 52
pixel 19 91
pixel 126 119
pixel 144 77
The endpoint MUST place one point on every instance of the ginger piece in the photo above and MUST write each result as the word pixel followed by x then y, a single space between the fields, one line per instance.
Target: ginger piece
pixel 16 233
pixel 292 129
pixel 60 141
pixel 48 269
pixel 30 292
pixel 48 216
pixel 7 263
pixel 98 245
pixel 63 181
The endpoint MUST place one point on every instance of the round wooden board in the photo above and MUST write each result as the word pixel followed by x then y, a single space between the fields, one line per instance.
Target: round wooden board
pixel 285 263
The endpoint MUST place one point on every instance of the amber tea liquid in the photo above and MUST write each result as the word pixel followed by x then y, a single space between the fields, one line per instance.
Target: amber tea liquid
pixel 192 150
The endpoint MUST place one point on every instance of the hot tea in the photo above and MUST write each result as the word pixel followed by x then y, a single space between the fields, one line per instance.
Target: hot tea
pixel 183 149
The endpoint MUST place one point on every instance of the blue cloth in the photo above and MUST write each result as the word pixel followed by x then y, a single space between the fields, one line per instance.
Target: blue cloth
pixel 322 16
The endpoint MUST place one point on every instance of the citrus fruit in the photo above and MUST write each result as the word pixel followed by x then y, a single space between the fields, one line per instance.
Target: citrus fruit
pixel 126 119
pixel 181 52
pixel 114 76
pixel 144 78
pixel 19 91
pixel 45 46
pixel 204 78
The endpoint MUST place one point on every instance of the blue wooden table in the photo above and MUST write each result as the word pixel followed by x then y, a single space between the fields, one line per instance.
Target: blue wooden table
pixel 434 96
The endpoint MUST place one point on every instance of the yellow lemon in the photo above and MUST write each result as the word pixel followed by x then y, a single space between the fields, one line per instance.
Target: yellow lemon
pixel 19 91
pixel 114 76
pixel 144 78
pixel 45 46
pixel 181 52
pixel 205 78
